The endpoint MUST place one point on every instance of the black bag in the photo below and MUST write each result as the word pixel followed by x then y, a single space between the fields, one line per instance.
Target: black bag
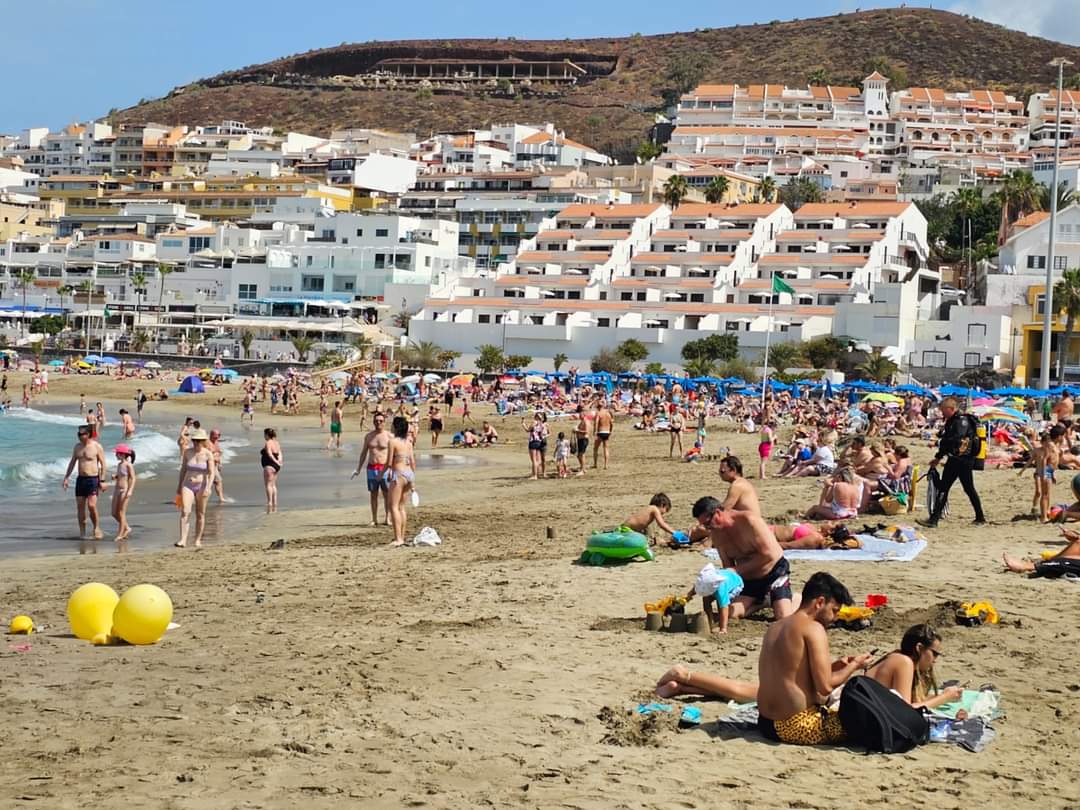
pixel 971 443
pixel 878 720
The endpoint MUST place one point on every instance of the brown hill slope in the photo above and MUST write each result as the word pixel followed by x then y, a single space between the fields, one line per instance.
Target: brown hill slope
pixel 613 106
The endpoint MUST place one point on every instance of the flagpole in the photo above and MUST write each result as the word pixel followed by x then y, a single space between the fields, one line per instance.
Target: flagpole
pixel 768 336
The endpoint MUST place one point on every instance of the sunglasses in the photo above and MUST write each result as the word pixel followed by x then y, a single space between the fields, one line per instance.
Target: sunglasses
pixel 937 653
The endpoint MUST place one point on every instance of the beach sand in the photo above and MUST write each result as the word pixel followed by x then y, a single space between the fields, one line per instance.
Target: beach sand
pixel 493 671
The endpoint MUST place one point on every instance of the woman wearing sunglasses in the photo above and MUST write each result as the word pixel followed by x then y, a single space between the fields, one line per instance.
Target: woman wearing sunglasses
pixel 909 671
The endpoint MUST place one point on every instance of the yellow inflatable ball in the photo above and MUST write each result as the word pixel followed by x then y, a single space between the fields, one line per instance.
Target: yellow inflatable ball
pixel 21 625
pixel 142 615
pixel 90 610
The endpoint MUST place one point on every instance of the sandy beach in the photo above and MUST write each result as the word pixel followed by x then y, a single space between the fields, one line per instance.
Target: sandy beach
pixel 493 671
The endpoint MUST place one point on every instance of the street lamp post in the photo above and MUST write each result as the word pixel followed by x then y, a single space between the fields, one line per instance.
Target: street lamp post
pixel 1048 307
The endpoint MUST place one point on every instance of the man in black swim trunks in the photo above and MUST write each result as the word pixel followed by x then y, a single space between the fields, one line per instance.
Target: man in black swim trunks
pixel 90 457
pixel 747 544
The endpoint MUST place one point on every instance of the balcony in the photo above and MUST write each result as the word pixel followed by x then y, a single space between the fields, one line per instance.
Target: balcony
pixel 525 331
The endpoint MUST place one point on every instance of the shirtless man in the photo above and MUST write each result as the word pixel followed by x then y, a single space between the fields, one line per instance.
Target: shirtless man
pixel 741 495
pixel 795 675
pixel 376 452
pixel 747 544
pixel 90 480
pixel 214 446
pixel 127 423
pixel 1063 408
pixel 856 455
pixel 336 415
pixel 603 425
pixel 1066 561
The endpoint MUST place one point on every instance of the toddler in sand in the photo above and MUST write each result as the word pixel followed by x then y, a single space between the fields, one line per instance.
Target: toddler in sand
pixel 642 519
pixel 717 588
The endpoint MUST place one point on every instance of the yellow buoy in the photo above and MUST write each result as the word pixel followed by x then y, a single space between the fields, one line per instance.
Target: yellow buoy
pixel 23 625
pixel 142 615
pixel 90 610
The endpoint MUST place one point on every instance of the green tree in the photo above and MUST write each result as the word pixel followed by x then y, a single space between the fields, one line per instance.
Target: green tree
pixel 1065 196
pixel 25 279
pixel 767 189
pixel 783 356
pixel 329 360
pixel 140 341
pixel 824 351
pixel 610 361
pixel 559 360
pixel 685 71
pixel 447 358
pixel 700 367
pixel 896 75
pixel 518 362
pixel 138 282
pixel 489 359
pixel 422 355
pixel 654 368
pixel 303 344
pixel 47 325
pixel 1019 194
pixel 647 150
pixel 247 337
pixel 796 193
pixel 717 189
pixel 87 289
pixel 982 377
pixel 714 348
pixel 633 350
pixel 737 367
pixel 675 190
pixel 820 76
pixel 36 349
pixel 164 271
pixel 877 367
pixel 64 290
pixel 1067 300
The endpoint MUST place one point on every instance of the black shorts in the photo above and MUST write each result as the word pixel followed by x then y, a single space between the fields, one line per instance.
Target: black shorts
pixel 582 446
pixel 535 445
pixel 774 585
pixel 87 485
pixel 1053 569
pixel 602 436
pixel 436 424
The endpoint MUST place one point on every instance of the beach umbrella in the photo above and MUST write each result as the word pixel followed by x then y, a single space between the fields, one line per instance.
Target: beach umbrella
pixel 109 361
pixel 462 379
pixel 56 362
pixel 508 379
pixel 412 379
pixel 153 364
pixel 92 359
pixel 430 378
pixel 536 379
pixel 82 364
pixel 883 397
pixel 992 413
pixel 982 401
pixel 339 375
pixel 228 373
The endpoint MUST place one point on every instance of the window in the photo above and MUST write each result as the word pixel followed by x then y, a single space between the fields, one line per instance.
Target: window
pixel 247 292
pixel 626 296
pixel 976 334
pixel 483 319
pixel 197 243
pixel 312 284
pixel 1036 262
pixel 172 243
pixel 104 244
pixel 359 231
pixel 382 232
pixel 603 323
pixel 310 259
pixel 697 298
pixel 972 359
pixel 380 261
pixel 934 359
pixel 1060 262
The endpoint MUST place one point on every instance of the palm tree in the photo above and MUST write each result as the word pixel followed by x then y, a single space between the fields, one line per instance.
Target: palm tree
pixel 1019 195
pixel 717 189
pixel 64 289
pixel 363 344
pixel 767 189
pixel 700 367
pixel 877 367
pixel 303 344
pixel 559 360
pixel 247 337
pixel 139 340
pixel 163 272
pixel 25 279
pixel 675 190
pixel 87 289
pixel 422 356
pixel 1065 197
pixel 138 279
pixel 783 356
pixel 1067 298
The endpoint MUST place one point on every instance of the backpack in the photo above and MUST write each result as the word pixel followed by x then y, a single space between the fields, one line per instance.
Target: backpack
pixel 971 444
pixel 877 719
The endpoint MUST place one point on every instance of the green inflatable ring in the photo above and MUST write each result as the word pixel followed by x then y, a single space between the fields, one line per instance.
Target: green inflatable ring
pixel 621 544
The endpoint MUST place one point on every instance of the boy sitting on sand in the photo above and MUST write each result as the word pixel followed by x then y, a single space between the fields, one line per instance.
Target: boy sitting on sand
pixel 642 519
pixel 717 588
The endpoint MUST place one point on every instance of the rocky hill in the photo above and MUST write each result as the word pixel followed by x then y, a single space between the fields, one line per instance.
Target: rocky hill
pixel 618 85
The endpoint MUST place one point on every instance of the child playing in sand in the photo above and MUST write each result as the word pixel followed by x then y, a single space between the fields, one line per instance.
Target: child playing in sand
pixel 659 506
pixel 717 588
pixel 562 454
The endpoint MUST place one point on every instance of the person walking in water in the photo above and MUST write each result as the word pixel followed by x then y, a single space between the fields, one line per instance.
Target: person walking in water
pixel 215 447
pixel 193 489
pixel 90 480
pixel 335 426
pixel 271 459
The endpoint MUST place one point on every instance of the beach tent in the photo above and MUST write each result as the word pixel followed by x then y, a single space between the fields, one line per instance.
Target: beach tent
pixel 56 362
pixel 192 385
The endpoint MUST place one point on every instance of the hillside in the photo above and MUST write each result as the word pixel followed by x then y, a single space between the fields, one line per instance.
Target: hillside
pixel 621 81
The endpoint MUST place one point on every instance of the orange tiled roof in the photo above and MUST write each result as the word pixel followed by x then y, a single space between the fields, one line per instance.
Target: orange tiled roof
pixel 852 210
pixel 722 211
pixel 1030 220
pixel 602 211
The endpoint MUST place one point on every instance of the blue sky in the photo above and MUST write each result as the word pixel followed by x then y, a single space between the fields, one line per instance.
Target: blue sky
pixel 67 60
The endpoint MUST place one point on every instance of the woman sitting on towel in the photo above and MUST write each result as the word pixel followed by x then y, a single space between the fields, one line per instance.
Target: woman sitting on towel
pixel 909 671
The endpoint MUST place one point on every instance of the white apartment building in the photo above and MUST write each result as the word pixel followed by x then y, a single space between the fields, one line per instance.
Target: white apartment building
pixel 508 145
pixel 934 121
pixel 597 275
pixel 1042 113
pixel 1025 249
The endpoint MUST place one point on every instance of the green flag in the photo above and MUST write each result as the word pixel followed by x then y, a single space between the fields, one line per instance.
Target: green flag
pixel 107 313
pixel 781 286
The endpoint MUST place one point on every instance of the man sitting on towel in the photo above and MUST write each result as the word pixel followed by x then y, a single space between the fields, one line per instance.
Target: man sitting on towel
pixel 795 675
pixel 1065 563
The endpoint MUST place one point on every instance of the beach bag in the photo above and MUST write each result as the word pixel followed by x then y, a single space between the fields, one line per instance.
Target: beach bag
pixel 877 719
pixel 892 505
pixel 971 444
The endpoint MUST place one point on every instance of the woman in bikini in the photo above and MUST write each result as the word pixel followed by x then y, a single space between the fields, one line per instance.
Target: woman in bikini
pixel 124 486
pixel 400 475
pixel 270 458
pixel 193 490
pixel 909 671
